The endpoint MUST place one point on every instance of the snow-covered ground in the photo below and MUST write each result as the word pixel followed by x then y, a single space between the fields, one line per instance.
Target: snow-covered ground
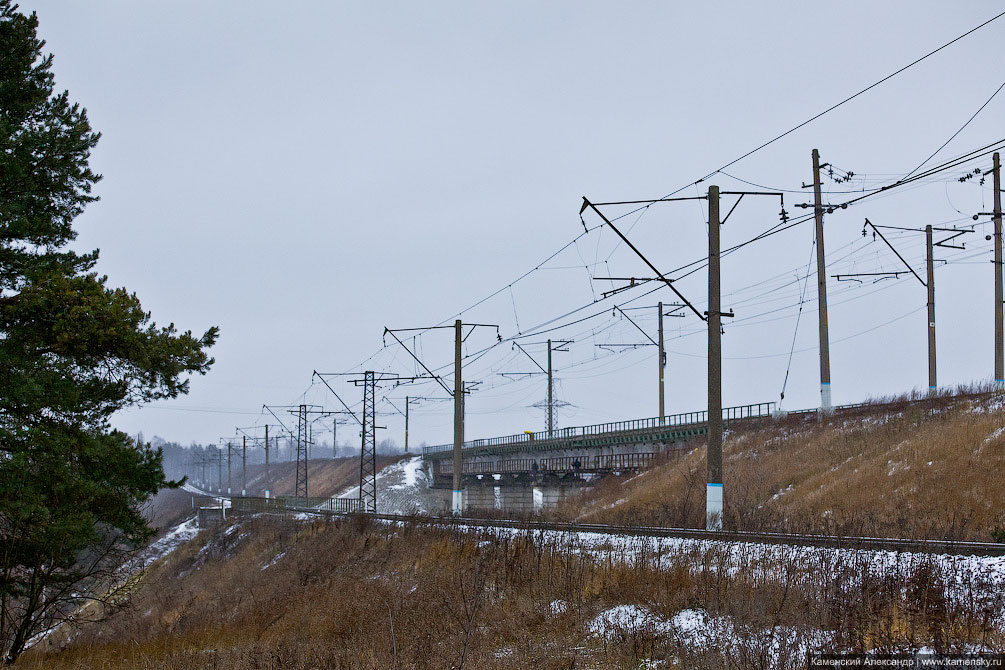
pixel 153 552
pixel 698 631
pixel 220 500
pixel 403 488
pixel 173 539
pixel 964 575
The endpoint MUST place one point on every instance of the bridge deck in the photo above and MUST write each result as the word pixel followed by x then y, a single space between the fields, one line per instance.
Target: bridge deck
pixel 549 466
pixel 637 431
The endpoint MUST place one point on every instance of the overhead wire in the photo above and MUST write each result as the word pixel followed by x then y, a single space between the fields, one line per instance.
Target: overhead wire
pixel 795 331
pixel 953 136
pixel 736 160
pixel 778 228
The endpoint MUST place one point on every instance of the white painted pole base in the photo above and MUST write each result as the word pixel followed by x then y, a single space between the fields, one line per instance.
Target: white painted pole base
pixel 457 506
pixel 266 494
pixel 825 398
pixel 713 506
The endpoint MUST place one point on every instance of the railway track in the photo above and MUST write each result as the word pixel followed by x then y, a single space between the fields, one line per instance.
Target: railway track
pixel 897 545
pixel 927 546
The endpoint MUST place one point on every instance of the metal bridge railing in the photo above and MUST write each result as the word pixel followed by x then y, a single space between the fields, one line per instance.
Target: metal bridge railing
pixel 257 505
pixel 755 410
pixel 555 464
pixel 342 505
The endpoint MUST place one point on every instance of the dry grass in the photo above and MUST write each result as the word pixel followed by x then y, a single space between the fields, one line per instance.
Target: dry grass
pixel 325 477
pixel 354 595
pixel 931 469
pixel 273 593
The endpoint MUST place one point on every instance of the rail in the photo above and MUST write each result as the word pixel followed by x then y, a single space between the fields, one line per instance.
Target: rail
pixel 755 537
pixel 925 546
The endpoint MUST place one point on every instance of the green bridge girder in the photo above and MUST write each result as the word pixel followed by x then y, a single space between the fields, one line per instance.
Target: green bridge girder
pixel 580 442
pixel 653 430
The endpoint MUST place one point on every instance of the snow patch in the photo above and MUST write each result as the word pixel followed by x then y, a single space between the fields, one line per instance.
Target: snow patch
pixel 220 500
pixel 273 560
pixel 402 488
pixel 764 559
pixel 782 492
pixel 697 630
pixel 627 618
pixel 412 471
pixel 616 503
pixel 990 406
pixel 176 537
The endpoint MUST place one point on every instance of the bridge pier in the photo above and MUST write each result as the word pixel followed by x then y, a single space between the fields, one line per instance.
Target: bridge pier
pixel 480 496
pixel 517 499
pixel 550 495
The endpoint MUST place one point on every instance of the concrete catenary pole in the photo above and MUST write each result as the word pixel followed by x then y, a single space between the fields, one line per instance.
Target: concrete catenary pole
pixel 713 489
pixel 932 379
pixel 406 424
pixel 662 363
pixel 244 465
pixel 219 470
pixel 551 399
pixel 825 351
pixel 229 479
pixel 457 505
pixel 999 327
pixel 267 479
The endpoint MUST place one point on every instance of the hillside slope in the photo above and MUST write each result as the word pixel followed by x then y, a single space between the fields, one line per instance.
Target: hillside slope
pixel 271 592
pixel 325 476
pixel 927 468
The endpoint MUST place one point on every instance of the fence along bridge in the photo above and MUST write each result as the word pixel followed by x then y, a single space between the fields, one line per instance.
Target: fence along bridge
pixel 568 452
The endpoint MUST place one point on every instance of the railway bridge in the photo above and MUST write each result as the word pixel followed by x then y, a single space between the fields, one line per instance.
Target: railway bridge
pixel 530 470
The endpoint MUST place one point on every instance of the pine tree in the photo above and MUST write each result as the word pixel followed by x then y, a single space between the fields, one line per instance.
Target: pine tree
pixel 72 352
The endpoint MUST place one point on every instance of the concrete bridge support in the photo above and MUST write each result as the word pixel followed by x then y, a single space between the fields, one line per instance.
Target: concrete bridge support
pixel 552 494
pixel 480 496
pixel 518 499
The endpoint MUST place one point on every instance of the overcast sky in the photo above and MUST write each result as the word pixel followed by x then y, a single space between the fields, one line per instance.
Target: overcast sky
pixel 304 174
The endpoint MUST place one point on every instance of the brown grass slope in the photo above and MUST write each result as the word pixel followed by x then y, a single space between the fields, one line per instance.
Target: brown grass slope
pixel 325 477
pixel 929 468
pixel 273 593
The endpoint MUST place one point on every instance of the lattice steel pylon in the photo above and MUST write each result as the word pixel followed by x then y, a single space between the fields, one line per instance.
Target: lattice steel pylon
pixel 368 455
pixel 303 439
pixel 368 425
